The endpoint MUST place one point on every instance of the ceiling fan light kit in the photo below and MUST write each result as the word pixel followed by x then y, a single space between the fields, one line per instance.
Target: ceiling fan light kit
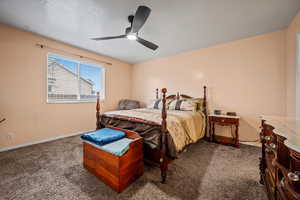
pixel 136 23
pixel 131 36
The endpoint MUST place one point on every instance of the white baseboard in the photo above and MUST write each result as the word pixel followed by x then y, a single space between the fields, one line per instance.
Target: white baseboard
pixel 42 141
pixel 257 144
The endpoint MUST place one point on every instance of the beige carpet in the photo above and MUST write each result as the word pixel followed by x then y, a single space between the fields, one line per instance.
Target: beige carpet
pixel 206 171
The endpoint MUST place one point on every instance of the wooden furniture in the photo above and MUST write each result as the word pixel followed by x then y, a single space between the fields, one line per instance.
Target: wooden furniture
pixel 224 120
pixel 158 156
pixel 280 158
pixel 117 172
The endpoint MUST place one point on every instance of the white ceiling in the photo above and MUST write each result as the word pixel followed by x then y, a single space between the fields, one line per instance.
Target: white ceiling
pixel 175 25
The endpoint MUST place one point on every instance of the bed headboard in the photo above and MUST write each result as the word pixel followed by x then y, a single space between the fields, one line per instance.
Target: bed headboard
pixel 178 95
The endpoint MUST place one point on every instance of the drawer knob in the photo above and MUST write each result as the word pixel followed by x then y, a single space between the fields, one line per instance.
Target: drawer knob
pixel 273 146
pixel 269 138
pixel 267 150
pixel 293 176
pixel 223 120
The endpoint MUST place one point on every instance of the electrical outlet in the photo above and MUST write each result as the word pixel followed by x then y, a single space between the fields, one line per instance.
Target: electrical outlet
pixel 10 136
pixel 6 136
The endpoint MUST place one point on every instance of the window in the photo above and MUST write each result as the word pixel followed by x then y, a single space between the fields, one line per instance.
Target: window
pixel 73 81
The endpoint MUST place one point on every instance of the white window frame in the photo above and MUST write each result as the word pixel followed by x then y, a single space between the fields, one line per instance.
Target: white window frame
pixel 102 93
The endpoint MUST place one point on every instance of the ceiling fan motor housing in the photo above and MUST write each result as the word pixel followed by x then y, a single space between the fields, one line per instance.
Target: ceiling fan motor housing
pixel 130 19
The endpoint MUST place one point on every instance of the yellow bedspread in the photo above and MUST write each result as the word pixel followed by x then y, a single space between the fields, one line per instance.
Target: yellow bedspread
pixel 185 127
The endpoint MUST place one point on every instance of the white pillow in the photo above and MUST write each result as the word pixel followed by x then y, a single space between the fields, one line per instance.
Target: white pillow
pixel 168 101
pixel 172 105
pixel 154 103
pixel 183 104
pixel 157 103
pixel 188 106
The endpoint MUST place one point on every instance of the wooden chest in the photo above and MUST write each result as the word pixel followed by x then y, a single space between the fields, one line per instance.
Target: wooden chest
pixel 116 172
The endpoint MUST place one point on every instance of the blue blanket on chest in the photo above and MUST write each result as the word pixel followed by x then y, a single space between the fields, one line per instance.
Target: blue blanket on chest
pixel 118 148
pixel 103 136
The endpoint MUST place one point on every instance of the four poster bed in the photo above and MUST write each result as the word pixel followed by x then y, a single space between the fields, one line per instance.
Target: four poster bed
pixel 163 138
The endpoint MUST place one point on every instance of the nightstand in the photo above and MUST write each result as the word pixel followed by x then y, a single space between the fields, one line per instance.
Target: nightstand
pixel 224 120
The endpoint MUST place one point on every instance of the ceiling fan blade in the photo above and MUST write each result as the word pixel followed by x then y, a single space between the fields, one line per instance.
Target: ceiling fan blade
pixel 147 43
pixel 140 18
pixel 109 38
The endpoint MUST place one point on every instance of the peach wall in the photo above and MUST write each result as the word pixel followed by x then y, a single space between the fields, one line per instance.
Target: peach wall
pixel 245 76
pixel 23 91
pixel 291 66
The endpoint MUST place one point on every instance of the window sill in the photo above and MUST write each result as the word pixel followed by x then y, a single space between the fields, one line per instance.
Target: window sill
pixel 63 102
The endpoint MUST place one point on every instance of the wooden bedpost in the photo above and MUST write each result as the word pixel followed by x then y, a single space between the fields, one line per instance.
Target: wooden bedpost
pixel 205 109
pixel 204 100
pixel 156 93
pixel 163 158
pixel 98 124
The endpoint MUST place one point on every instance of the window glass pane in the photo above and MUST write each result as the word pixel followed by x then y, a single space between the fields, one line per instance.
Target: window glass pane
pixel 90 81
pixel 62 79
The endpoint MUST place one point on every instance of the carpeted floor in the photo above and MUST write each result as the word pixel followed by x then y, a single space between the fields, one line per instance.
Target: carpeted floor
pixel 206 171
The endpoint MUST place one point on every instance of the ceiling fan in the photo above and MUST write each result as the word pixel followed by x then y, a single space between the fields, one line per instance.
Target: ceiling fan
pixel 131 33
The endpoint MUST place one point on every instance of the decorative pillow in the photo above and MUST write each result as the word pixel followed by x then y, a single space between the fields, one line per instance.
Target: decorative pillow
pixel 154 103
pixel 188 105
pixel 172 105
pixel 183 104
pixel 168 101
pixel 157 103
pixel 127 104
pixel 198 101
